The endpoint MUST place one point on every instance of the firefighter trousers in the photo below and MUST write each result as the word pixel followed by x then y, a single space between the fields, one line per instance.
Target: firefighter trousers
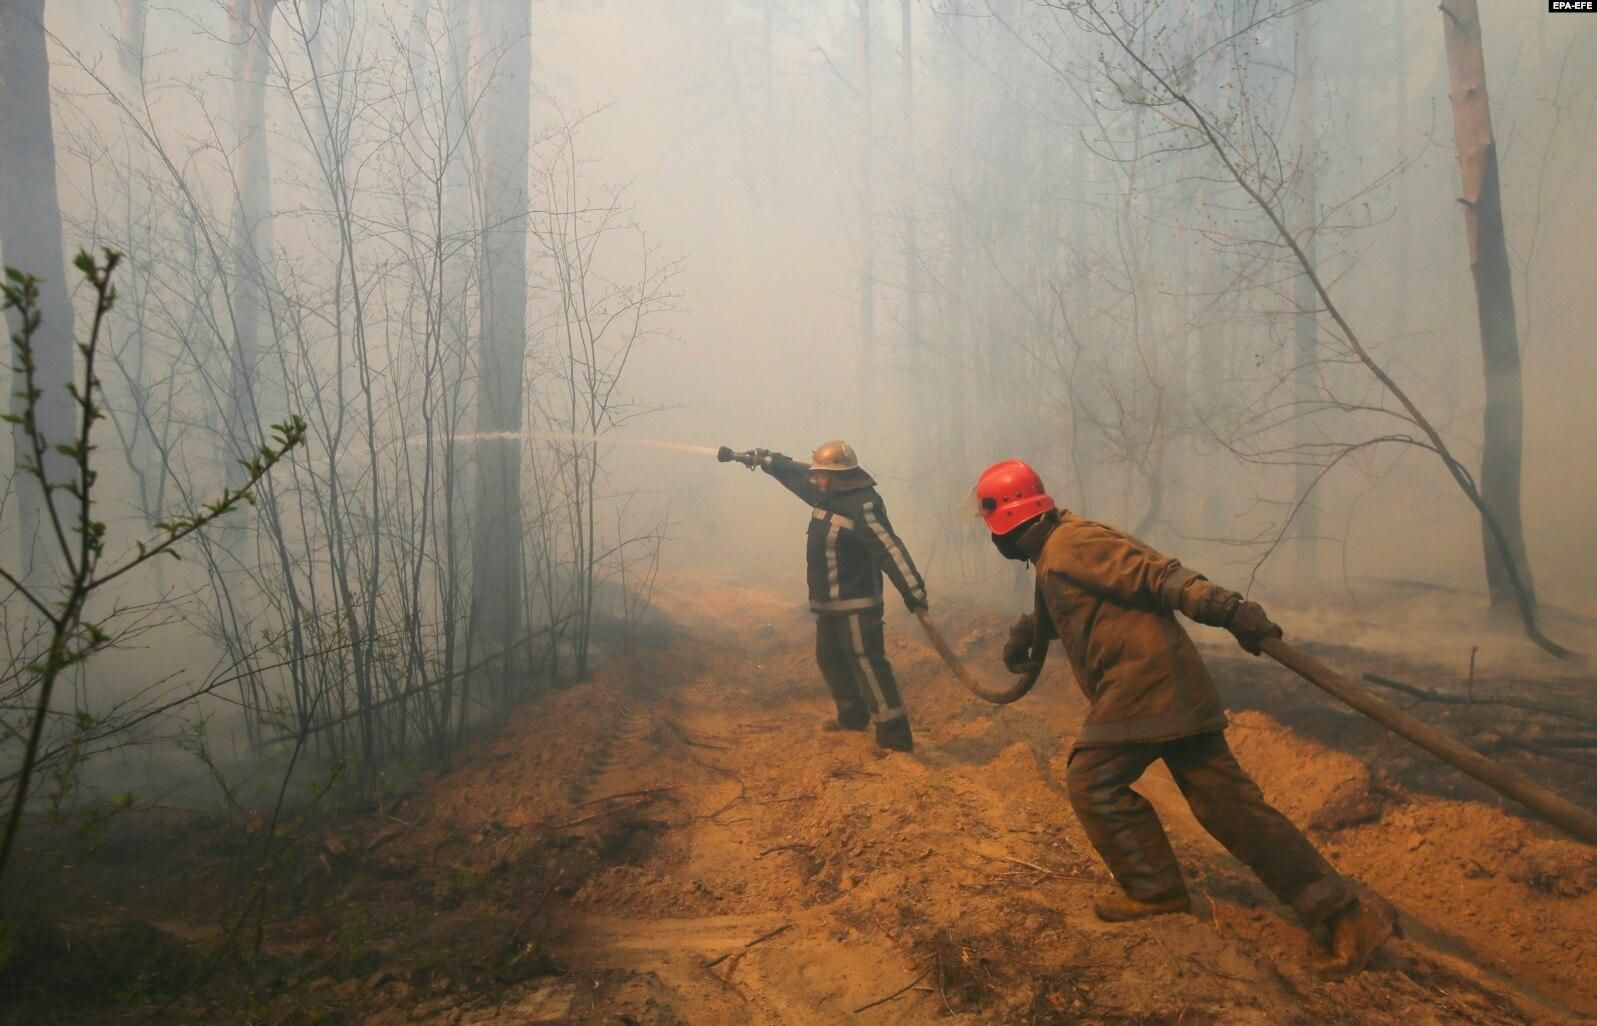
pixel 851 652
pixel 1124 828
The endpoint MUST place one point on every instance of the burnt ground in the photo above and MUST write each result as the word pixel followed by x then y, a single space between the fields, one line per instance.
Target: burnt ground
pixel 676 843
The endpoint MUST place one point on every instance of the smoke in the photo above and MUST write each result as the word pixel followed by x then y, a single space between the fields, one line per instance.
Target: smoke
pixel 1052 273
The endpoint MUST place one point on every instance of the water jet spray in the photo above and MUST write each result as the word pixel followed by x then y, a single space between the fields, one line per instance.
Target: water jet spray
pixel 566 436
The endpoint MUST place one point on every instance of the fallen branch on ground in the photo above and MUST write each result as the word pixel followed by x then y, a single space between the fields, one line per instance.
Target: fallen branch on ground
pixel 626 794
pixel 795 846
pixel 1446 699
pixel 1048 872
pixel 633 803
pixel 900 992
pixel 1570 817
pixel 761 939
pixel 743 790
pixel 1545 751
pixel 697 738
pixel 781 801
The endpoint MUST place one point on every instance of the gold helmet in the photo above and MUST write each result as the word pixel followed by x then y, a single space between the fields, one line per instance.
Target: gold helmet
pixel 834 455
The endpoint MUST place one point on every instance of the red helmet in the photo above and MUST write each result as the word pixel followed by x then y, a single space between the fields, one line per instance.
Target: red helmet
pixel 1010 493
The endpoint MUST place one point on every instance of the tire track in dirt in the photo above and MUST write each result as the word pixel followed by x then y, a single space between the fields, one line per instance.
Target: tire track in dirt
pixel 633 725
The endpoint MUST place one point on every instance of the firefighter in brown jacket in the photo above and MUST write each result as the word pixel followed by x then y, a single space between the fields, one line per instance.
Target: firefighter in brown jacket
pixel 1111 601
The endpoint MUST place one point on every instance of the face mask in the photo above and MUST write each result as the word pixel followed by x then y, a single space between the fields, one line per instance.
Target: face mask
pixel 1005 544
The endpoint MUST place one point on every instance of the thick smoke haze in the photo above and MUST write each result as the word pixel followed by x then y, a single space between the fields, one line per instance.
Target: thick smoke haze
pixel 1079 259
pixel 771 250
pixel 405 616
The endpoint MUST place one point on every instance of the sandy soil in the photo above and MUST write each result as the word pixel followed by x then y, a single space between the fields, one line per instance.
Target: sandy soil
pixel 676 842
pixel 756 870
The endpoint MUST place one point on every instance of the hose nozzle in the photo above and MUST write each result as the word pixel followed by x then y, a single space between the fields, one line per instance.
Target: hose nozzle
pixel 751 459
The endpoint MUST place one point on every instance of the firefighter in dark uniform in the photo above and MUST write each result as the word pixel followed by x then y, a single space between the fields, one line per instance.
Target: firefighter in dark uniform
pixel 1111 601
pixel 850 544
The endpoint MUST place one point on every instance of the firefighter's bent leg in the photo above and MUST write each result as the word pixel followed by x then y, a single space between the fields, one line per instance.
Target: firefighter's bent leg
pixel 874 675
pixel 1231 807
pixel 832 654
pixel 1120 823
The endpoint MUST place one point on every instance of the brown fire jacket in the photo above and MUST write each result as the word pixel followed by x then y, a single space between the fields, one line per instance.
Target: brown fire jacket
pixel 1110 600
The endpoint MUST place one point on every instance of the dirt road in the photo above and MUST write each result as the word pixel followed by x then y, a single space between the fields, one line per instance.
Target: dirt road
pixel 676 842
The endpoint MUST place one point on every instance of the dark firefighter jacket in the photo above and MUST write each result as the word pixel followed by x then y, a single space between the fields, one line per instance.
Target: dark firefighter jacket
pixel 1111 601
pixel 851 542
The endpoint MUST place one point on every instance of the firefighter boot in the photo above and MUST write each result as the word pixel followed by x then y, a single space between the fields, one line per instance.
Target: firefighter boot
pixel 1357 932
pixel 1120 907
pixel 894 735
pixel 833 726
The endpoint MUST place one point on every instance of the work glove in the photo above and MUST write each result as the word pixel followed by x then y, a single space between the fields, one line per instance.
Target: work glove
pixel 1250 625
pixel 916 602
pixel 1017 650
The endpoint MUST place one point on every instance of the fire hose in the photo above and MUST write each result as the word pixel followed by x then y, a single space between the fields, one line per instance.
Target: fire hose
pixel 1570 817
pixel 996 695
pixel 1566 815
pixel 1504 781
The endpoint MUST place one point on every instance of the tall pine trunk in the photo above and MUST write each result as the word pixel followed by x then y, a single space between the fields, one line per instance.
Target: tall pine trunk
pixel 30 240
pixel 130 39
pixel 503 48
pixel 916 360
pixel 1306 329
pixel 1494 299
pixel 1405 220
pixel 866 367
pixel 252 32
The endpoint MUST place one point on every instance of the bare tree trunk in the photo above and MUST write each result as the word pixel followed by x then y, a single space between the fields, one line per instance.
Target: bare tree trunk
pixel 768 135
pixel 1259 195
pixel 141 443
pixel 504 42
pixel 1494 297
pixel 867 268
pixel 252 33
pixel 1306 329
pixel 130 40
pixel 955 393
pixel 916 355
pixel 1217 341
pixel 1405 220
pixel 30 236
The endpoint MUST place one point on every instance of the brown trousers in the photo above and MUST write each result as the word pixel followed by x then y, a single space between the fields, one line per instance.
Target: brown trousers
pixel 1126 831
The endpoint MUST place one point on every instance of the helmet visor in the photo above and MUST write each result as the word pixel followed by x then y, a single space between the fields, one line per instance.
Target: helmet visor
pixel 974 508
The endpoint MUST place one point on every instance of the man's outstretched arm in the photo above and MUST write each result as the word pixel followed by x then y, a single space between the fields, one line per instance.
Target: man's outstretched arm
pixel 1120 567
pixel 1208 603
pixel 792 475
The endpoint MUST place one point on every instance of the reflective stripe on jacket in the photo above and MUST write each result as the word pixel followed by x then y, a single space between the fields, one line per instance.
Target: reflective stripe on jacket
pixel 850 544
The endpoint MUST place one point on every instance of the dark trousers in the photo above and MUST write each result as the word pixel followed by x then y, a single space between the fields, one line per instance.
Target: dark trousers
pixel 851 653
pixel 1124 828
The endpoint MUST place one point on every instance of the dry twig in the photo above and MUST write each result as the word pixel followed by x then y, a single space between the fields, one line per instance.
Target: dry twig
pixel 1048 872
pixel 761 939
pixel 795 846
pixel 1525 704
pixel 626 794
pixel 906 988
